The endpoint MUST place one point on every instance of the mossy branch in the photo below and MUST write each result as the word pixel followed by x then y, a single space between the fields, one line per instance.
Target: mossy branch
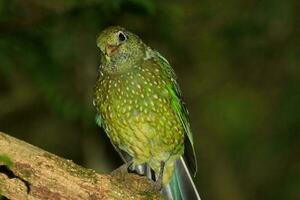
pixel 28 172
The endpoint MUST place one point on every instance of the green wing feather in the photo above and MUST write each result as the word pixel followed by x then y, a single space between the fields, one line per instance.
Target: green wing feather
pixel 180 109
pixel 98 120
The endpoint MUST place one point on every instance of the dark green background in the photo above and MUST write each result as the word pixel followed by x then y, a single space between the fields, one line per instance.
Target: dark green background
pixel 237 63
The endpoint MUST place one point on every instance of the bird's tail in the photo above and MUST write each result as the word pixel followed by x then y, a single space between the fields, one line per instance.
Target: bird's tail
pixel 181 186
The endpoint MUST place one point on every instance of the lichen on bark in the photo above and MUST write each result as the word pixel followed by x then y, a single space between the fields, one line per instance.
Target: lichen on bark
pixel 32 173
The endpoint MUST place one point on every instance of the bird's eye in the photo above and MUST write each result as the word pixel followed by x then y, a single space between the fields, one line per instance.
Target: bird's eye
pixel 122 37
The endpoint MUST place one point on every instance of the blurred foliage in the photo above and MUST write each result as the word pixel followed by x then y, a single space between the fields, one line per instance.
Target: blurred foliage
pixel 237 64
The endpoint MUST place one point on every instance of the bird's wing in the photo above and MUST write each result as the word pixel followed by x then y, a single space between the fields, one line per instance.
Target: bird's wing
pixel 180 109
pixel 98 120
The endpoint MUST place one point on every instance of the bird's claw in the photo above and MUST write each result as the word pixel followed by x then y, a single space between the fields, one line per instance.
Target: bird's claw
pixel 121 171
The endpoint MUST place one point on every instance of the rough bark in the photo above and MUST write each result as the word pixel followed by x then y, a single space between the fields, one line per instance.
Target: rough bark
pixel 37 174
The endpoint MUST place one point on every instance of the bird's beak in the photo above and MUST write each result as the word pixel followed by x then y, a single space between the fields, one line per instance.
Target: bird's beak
pixel 111 50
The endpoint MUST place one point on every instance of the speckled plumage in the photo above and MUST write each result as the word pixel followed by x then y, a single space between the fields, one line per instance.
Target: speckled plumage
pixel 138 102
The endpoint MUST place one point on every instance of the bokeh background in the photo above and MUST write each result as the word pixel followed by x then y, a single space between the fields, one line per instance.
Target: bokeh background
pixel 237 62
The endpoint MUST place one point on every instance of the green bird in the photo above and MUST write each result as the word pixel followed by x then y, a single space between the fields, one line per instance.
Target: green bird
pixel 140 107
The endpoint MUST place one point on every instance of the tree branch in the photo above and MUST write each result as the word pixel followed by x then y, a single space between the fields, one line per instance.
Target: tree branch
pixel 37 174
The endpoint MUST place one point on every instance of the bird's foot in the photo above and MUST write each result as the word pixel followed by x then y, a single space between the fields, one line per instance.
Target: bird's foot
pixel 122 170
pixel 158 184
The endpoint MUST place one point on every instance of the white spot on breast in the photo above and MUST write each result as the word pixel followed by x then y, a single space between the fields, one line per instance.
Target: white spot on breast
pixel 152 103
pixel 129 108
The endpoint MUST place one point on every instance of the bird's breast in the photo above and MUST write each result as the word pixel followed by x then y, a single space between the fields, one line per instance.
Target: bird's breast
pixel 136 106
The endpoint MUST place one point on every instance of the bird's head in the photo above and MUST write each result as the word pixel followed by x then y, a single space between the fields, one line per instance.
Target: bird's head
pixel 120 49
